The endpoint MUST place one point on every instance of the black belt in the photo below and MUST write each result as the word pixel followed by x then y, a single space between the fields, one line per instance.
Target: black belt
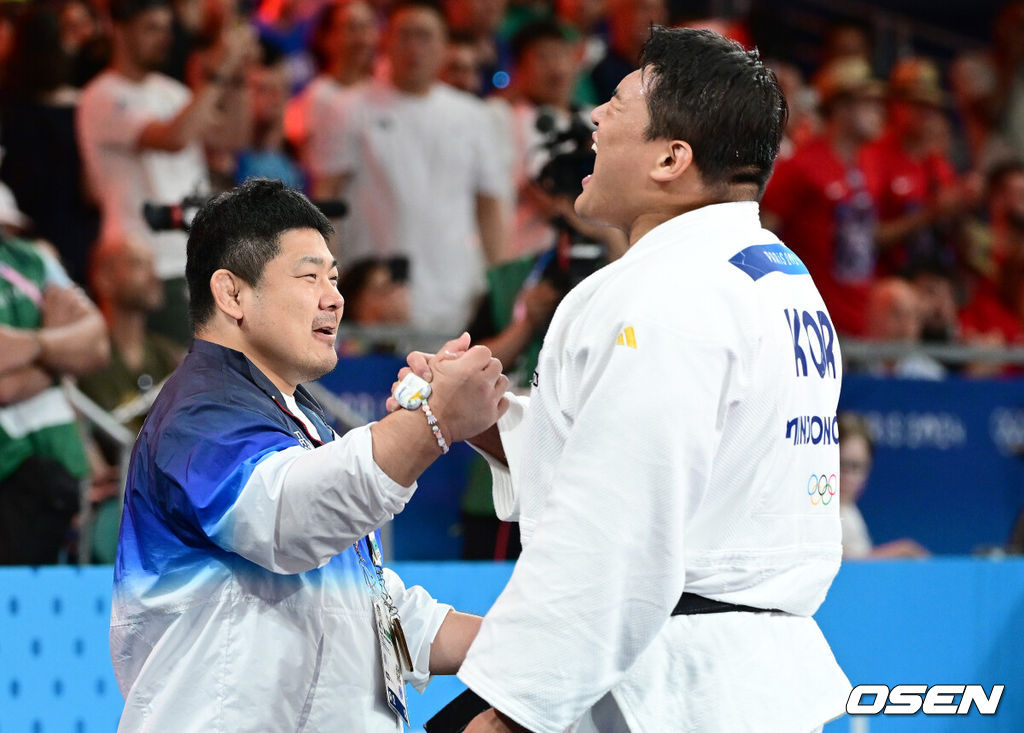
pixel 691 604
pixel 455 716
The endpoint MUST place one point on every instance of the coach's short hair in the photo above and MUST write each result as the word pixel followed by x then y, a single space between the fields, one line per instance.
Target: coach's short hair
pixel 718 97
pixel 240 231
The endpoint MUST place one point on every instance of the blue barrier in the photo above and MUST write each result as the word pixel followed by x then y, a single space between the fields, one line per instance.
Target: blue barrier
pixel 949 459
pixel 941 621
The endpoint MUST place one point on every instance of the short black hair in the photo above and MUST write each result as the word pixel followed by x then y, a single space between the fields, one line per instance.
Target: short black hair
pixel 240 231
pixel 717 96
pixel 534 32
pixel 123 11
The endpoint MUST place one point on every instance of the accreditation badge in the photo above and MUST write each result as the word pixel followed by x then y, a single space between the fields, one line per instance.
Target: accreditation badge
pixel 394 651
pixel 394 684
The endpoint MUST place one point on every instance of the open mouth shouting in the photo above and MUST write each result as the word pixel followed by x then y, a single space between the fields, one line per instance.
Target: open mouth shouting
pixel 593 147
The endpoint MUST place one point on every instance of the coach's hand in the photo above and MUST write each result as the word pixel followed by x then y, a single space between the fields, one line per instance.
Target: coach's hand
pixel 420 362
pixel 468 393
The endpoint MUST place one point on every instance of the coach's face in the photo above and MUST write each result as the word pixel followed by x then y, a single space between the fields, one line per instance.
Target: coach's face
pixel 290 319
pixel 617 192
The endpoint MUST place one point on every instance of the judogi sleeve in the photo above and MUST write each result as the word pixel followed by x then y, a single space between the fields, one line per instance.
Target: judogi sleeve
pixel 504 479
pixel 605 565
pixel 232 475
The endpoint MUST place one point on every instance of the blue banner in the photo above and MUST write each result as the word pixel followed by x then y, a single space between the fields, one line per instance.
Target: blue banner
pixel 949 459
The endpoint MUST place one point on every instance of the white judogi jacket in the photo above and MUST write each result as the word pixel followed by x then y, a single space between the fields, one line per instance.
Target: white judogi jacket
pixel 680 436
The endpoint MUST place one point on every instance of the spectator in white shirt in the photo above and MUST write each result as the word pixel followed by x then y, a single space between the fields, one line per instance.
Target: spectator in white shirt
pixel 141 135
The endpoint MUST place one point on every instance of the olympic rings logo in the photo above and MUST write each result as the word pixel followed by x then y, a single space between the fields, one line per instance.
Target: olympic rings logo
pixel 822 489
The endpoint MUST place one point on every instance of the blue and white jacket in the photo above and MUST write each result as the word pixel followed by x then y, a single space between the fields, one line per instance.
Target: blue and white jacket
pixel 239 600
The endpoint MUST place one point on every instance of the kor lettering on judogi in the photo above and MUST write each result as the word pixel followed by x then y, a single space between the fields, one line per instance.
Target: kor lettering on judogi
pixel 813 336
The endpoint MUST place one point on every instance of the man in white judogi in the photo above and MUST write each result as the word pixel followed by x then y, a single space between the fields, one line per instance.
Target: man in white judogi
pixel 675 470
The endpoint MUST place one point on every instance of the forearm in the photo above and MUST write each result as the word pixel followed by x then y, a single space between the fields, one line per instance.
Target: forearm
pixel 75 348
pixel 892 232
pixel 452 642
pixel 404 445
pixel 184 128
pixel 490 443
pixel 23 383
pixel 233 131
pixel 19 348
pixel 321 501
pixel 491 223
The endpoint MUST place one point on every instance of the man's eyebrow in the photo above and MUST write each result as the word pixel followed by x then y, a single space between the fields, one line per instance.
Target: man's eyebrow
pixel 314 260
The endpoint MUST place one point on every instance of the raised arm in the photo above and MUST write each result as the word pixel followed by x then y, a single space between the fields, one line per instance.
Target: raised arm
pixel 301 507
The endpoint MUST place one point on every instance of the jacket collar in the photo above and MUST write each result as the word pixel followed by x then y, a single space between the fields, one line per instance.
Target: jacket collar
pixel 239 362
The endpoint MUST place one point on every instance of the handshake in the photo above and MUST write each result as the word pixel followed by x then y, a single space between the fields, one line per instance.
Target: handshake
pixel 466 389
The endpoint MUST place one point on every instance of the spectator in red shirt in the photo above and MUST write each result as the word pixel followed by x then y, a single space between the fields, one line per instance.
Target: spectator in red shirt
pixel 910 176
pixel 818 200
pixel 993 309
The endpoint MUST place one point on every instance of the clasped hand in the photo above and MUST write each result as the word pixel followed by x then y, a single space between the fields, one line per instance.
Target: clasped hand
pixel 468 387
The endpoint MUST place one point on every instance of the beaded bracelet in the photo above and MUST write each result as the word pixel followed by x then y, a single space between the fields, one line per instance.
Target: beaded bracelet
pixel 434 427
pixel 411 393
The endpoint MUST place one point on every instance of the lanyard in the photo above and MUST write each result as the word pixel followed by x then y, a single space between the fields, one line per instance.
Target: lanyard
pixel 374 578
pixel 379 590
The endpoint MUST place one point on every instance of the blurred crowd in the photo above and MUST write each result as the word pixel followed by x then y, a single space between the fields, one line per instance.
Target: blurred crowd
pixel 904 194
pixel 448 140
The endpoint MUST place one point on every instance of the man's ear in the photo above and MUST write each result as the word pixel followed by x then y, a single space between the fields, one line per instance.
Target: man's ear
pixel 674 158
pixel 226 288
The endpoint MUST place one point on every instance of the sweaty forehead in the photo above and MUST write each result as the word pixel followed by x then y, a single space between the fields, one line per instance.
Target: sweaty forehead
pixel 632 86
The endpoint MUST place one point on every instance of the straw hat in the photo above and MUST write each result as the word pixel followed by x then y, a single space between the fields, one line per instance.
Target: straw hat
pixel 916 80
pixel 849 76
